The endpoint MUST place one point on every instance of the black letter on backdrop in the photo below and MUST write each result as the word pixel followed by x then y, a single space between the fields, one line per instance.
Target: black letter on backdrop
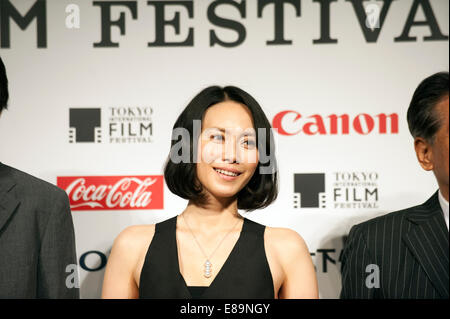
pixel 38 11
pixel 226 23
pixel 279 17
pixel 325 22
pixel 161 22
pixel 102 256
pixel 369 34
pixel 107 23
pixel 430 21
pixel 326 258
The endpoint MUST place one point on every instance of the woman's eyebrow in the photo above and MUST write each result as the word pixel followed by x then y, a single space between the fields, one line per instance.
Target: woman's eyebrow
pixel 247 132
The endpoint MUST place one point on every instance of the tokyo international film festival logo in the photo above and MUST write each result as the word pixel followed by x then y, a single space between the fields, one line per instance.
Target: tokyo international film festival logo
pixel 345 190
pixel 309 190
pixel 85 125
pixel 124 125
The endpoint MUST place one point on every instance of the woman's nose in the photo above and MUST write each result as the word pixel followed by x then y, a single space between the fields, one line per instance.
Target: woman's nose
pixel 229 153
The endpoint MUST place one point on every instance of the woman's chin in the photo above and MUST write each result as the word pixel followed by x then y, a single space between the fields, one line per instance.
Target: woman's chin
pixel 223 194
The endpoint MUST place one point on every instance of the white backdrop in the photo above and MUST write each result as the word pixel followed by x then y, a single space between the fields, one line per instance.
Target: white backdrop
pixel 349 77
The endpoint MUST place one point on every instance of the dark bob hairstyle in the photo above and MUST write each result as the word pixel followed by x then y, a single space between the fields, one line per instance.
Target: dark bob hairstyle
pixel 422 118
pixel 181 178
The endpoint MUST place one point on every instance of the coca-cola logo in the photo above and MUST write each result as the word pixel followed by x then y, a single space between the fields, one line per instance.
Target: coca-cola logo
pixel 113 192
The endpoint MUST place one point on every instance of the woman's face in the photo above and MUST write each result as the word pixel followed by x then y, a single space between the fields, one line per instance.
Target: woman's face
pixel 227 149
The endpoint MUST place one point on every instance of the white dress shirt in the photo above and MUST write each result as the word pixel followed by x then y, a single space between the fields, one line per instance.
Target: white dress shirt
pixel 444 206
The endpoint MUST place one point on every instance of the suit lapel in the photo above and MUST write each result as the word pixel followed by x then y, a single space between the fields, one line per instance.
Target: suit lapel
pixel 427 239
pixel 8 202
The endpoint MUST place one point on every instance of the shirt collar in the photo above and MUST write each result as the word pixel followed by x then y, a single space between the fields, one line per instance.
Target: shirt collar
pixel 444 206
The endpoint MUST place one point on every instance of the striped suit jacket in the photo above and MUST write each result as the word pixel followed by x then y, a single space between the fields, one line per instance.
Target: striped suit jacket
pixel 410 248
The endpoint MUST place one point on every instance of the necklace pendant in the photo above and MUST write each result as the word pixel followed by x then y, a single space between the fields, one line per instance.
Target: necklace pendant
pixel 207 272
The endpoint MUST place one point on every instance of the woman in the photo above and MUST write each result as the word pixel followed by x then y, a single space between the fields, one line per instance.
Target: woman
pixel 210 251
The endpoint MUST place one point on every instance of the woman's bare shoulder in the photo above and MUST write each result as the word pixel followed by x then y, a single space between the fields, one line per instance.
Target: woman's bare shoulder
pixel 134 238
pixel 286 242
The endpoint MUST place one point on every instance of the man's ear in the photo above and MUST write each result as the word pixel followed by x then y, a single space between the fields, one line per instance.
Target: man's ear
pixel 424 153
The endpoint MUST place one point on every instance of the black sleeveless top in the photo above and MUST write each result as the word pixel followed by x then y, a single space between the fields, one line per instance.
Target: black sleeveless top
pixel 245 274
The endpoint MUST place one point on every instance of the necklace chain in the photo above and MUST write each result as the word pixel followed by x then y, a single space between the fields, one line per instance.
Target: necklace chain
pixel 207 264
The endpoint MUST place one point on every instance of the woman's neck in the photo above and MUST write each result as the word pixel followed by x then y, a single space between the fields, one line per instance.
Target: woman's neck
pixel 214 216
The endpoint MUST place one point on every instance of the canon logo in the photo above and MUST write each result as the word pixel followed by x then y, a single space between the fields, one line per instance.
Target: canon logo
pixel 113 192
pixel 292 123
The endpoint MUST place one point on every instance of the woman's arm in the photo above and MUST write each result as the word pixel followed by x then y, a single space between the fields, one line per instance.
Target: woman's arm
pixel 292 253
pixel 126 255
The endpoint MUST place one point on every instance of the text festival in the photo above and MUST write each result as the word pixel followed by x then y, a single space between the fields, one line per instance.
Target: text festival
pixel 218 20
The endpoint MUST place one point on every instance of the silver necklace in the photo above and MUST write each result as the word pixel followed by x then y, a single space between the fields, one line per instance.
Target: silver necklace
pixel 207 271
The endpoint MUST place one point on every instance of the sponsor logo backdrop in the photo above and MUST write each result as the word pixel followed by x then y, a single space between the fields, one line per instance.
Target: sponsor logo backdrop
pixel 96 87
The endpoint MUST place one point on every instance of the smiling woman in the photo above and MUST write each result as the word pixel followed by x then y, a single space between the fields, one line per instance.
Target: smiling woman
pixel 210 250
pixel 229 140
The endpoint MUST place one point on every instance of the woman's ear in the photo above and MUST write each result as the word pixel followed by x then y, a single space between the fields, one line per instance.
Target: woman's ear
pixel 424 153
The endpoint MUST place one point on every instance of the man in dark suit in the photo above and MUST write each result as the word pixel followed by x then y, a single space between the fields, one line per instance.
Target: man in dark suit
pixel 37 241
pixel 405 254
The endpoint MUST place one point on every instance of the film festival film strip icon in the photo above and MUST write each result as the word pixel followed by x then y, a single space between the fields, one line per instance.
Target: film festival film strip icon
pixel 309 191
pixel 85 125
pixel 72 134
pixel 97 135
pixel 322 200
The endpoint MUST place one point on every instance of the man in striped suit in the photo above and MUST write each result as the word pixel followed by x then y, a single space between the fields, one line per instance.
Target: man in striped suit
pixel 405 254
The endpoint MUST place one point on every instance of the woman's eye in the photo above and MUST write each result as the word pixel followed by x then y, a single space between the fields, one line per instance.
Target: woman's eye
pixel 217 137
pixel 250 143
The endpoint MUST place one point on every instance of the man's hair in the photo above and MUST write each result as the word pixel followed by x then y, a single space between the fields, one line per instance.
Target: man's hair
pixel 181 178
pixel 423 120
pixel 3 87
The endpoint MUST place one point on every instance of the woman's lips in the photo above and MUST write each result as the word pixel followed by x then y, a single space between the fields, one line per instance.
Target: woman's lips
pixel 226 177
